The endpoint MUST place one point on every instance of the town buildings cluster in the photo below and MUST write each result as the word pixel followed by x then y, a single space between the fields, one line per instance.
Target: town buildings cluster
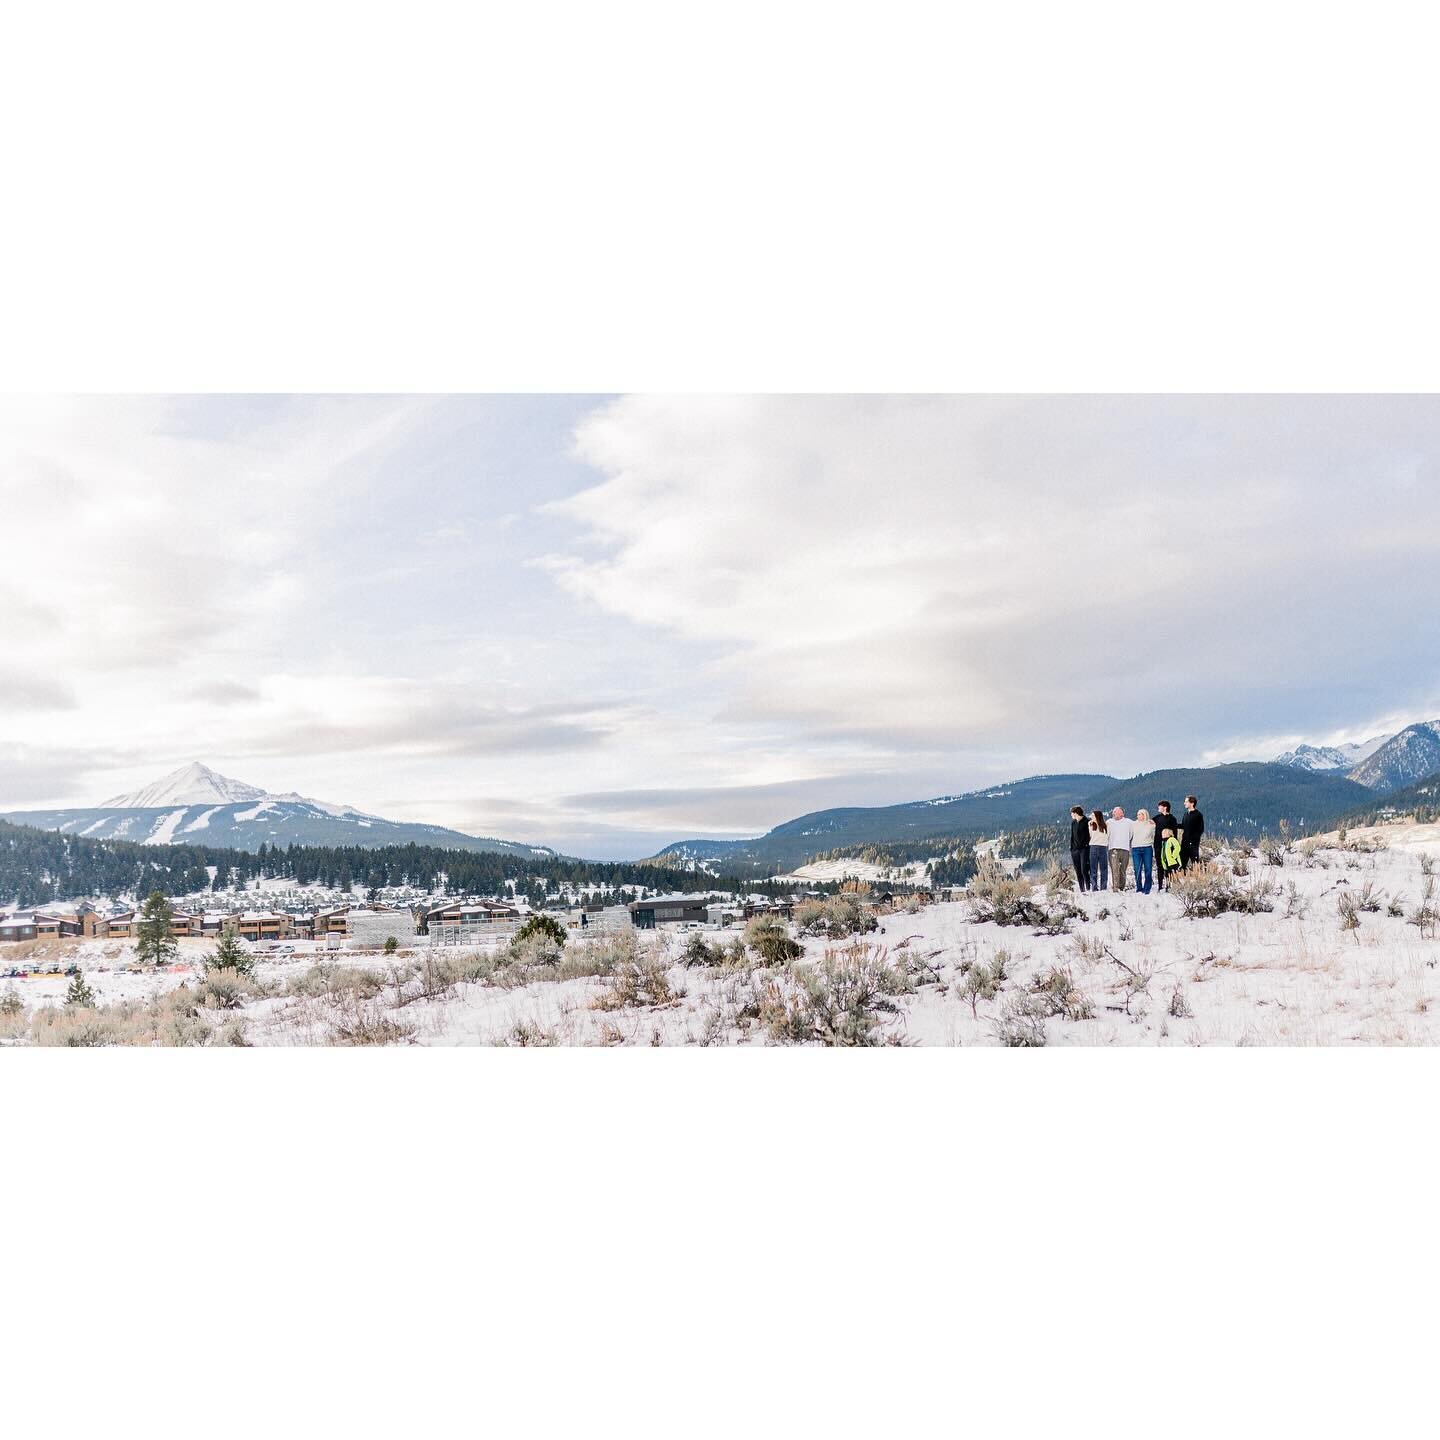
pixel 376 921
pixel 83 920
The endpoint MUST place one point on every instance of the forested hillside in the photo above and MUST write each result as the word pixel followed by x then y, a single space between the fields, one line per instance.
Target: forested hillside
pixel 1422 800
pixel 1244 798
pixel 41 865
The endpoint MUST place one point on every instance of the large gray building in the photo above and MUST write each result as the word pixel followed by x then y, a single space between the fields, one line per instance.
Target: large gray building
pixel 668 910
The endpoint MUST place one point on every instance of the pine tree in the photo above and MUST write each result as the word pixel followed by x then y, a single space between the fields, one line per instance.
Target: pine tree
pixel 79 995
pixel 153 942
pixel 230 954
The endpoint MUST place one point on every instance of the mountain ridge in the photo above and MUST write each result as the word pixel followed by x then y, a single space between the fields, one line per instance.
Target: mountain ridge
pixel 1407 757
pixel 196 803
pixel 1243 797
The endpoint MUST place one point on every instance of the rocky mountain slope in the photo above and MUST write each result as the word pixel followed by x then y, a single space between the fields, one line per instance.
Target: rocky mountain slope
pixel 1331 757
pixel 1404 759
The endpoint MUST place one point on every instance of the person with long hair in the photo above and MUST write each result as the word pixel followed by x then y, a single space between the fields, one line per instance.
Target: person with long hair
pixel 1099 851
pixel 1142 852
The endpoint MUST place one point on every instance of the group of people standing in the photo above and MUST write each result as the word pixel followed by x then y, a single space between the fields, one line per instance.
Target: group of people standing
pixel 1103 850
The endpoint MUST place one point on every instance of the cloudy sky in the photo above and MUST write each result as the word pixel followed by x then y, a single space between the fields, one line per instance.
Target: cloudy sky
pixel 606 623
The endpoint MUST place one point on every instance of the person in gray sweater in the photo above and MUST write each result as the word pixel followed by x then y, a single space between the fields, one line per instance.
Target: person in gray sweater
pixel 1119 831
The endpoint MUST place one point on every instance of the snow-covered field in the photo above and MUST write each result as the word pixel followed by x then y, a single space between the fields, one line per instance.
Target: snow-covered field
pixel 826 871
pixel 1136 972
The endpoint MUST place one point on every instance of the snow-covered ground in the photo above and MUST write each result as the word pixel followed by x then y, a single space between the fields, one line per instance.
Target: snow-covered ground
pixel 825 871
pixel 1140 971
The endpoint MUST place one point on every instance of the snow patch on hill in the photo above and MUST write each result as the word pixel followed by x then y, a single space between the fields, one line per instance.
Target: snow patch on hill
pixel 201 821
pixel 164 831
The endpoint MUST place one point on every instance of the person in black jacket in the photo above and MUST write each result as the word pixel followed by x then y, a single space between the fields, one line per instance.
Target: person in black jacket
pixel 1080 847
pixel 1166 825
pixel 1192 827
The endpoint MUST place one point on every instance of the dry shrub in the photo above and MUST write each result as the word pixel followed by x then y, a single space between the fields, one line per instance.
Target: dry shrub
pixel 603 955
pixel 699 951
pixel 1205 891
pixel 12 1014
pixel 171 1019
pixel 834 917
pixel 1058 880
pixel 916 968
pixel 840 1002
pixel 438 975
pixel 530 1034
pixel 1055 991
pixel 980 981
pixel 337 982
pixel 714 1026
pixel 1021 1023
pixel 232 1032
pixel 76 1028
pixel 1426 914
pixel 1001 899
pixel 363 1022
pixel 225 989
pixel 1349 914
pixel 641 983
pixel 771 941
pixel 537 950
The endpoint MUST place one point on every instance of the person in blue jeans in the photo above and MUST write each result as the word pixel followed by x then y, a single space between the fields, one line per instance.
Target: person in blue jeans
pixel 1142 852
pixel 1099 851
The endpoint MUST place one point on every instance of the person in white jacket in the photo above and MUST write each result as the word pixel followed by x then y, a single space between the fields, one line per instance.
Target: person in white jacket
pixel 1119 832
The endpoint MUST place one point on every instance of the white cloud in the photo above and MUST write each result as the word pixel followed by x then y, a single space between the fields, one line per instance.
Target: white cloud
pixel 764 604
pixel 1108 576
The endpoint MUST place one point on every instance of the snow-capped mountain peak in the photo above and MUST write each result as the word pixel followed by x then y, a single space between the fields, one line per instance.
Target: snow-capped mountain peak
pixel 1331 757
pixel 1411 756
pixel 192 784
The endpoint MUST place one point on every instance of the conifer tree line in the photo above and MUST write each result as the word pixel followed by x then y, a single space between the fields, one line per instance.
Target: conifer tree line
pixel 41 866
